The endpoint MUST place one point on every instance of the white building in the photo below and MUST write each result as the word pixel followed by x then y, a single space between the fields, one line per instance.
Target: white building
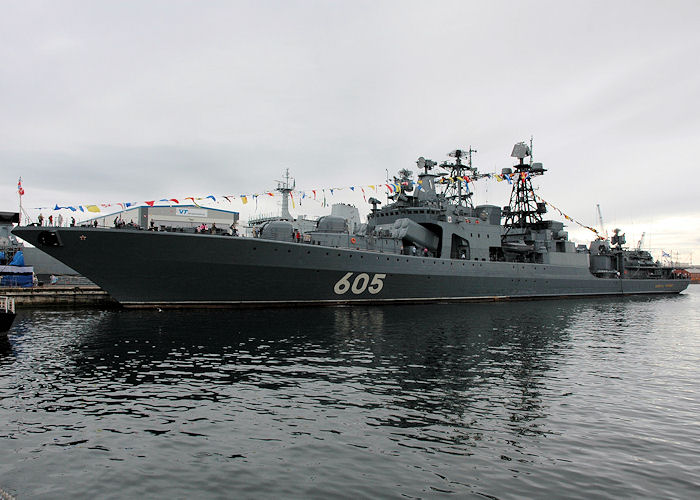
pixel 170 217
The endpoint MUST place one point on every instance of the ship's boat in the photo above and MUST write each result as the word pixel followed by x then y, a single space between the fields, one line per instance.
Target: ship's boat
pixel 430 243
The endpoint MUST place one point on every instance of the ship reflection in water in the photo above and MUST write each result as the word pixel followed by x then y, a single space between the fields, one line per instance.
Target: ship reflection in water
pixel 504 400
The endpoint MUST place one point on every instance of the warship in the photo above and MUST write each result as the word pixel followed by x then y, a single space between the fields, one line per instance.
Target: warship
pixel 429 243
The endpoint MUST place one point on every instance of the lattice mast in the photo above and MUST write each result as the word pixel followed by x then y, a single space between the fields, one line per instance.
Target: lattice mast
pixel 523 209
pixel 460 172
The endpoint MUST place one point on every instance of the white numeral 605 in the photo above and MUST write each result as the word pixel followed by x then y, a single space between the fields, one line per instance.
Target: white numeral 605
pixel 359 284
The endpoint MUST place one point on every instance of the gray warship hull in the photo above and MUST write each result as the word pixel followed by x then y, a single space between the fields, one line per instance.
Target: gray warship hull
pixel 162 269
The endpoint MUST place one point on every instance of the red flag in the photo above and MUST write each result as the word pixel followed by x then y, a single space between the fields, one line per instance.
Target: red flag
pixel 150 203
pixel 20 189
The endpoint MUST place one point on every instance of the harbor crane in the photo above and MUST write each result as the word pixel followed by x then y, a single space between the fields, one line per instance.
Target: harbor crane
pixel 600 221
pixel 641 241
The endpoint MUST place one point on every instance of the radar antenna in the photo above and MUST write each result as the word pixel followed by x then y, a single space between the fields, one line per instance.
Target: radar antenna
pixel 523 209
pixel 425 164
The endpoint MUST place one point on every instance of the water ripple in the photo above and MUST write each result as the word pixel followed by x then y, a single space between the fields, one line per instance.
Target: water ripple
pixel 577 399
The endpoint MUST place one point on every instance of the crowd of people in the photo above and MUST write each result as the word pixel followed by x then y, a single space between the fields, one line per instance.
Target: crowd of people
pixel 55 221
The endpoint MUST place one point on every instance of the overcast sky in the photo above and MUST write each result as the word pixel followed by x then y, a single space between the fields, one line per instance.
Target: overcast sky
pixel 105 101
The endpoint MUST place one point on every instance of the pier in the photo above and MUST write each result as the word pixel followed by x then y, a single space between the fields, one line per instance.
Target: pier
pixel 60 295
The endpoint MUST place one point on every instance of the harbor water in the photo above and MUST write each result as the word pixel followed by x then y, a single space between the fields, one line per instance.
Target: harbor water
pixel 590 398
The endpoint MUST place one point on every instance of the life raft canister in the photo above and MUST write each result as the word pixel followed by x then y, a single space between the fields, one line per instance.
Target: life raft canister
pixel 353 240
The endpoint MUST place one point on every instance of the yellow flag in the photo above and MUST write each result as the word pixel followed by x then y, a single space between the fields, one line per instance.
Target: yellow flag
pixel 244 199
pixel 92 208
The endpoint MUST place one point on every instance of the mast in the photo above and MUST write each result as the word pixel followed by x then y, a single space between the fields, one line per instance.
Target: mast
pixel 523 209
pixel 285 188
pixel 20 192
pixel 457 172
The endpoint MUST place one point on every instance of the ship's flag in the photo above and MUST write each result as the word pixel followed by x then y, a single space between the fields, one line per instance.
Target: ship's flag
pixel 228 199
pixel 150 203
pixel 391 189
pixel 314 192
pixel 212 197
pixel 72 209
pixel 193 200
pixel 373 186
pixel 244 199
pixel 664 254
pixel 270 194
pixel 352 188
pixel 20 189
pixel 292 197
pixel 92 208
pixel 331 191
pixel 363 193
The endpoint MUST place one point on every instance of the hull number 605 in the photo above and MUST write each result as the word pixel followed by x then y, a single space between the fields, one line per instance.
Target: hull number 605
pixel 359 284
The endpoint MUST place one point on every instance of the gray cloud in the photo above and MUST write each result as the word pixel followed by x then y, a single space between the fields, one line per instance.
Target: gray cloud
pixel 117 100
